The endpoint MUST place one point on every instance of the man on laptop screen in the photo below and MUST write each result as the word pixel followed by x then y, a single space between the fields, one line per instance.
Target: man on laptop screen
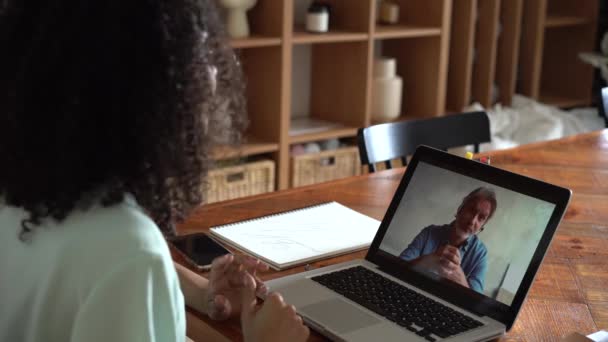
pixel 453 250
pixel 488 240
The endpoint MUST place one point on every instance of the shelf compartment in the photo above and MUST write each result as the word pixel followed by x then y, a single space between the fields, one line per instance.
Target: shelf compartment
pixel 555 21
pixel 262 67
pixel 566 86
pixel 332 96
pixel 349 22
pixel 405 31
pixel 333 36
pixel 255 41
pixel 251 146
pixel 420 63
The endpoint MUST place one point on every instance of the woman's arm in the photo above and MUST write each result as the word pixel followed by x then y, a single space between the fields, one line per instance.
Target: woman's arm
pixel 194 287
pixel 219 295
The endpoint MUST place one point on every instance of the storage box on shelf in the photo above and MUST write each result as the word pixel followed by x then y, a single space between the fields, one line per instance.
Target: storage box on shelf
pixel 251 178
pixel 312 168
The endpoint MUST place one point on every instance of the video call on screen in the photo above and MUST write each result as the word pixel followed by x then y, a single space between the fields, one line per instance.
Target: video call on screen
pixel 470 232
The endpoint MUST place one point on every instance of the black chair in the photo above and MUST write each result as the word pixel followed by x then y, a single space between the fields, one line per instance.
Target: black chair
pixel 397 140
pixel 603 107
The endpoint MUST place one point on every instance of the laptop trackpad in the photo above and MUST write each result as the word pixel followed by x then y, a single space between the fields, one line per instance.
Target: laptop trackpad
pixel 339 315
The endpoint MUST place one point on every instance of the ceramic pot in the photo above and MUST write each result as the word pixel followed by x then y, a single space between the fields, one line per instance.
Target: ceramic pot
pixel 236 16
pixel 387 90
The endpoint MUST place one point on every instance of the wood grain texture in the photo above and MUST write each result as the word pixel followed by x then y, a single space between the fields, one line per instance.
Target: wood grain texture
pixel 544 320
pixel 600 315
pixel 339 82
pixel 556 281
pixel 484 61
pixel 531 48
pixel 200 331
pixel 593 279
pixel 460 68
pixel 282 156
pixel 570 292
pixel 508 49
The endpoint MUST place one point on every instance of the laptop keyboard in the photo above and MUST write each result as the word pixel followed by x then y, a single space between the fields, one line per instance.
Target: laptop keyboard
pixel 417 313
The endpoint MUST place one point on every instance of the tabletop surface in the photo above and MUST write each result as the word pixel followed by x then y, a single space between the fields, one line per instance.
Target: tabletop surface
pixel 570 292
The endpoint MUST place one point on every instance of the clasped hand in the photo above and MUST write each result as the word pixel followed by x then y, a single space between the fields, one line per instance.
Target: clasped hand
pixel 227 279
pixel 448 264
pixel 445 261
pixel 233 289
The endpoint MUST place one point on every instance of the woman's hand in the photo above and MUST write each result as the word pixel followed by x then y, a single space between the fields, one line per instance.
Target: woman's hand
pixel 226 281
pixel 272 321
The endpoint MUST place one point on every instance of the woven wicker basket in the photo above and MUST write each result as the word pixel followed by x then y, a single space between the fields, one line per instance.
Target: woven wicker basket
pixel 240 181
pixel 314 168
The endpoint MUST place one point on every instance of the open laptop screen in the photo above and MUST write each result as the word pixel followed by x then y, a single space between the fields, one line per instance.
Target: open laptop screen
pixel 467 232
pixel 474 233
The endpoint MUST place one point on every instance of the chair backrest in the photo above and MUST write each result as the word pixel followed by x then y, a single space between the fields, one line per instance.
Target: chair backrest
pixel 603 107
pixel 397 140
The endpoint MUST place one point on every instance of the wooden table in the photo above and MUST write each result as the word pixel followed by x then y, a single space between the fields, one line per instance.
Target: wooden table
pixel 570 292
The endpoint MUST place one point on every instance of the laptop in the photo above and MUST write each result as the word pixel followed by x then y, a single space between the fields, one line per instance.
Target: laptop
pixel 453 258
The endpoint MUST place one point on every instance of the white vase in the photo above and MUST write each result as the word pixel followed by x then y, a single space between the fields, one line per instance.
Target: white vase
pixel 387 90
pixel 236 16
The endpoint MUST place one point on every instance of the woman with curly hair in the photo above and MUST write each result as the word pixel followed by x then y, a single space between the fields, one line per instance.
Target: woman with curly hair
pixel 108 112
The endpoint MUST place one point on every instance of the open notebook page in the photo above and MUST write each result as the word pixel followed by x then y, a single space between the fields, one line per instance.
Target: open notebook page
pixel 301 235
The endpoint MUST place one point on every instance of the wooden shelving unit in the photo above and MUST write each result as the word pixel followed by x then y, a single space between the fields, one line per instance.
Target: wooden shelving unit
pixel 340 70
pixel 554 33
pixel 430 33
pixel 483 52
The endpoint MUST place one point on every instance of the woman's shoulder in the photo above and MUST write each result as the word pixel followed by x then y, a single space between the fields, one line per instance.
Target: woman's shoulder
pixel 120 225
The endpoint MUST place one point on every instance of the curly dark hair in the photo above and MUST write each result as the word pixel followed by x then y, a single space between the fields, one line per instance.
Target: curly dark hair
pixel 99 99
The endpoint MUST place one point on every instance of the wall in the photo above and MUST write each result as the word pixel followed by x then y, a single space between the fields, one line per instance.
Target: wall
pixel 511 236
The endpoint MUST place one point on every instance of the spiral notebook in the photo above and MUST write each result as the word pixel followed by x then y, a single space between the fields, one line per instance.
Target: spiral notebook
pixel 302 235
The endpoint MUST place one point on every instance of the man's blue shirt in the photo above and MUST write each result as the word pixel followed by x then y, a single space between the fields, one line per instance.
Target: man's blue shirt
pixel 473 253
